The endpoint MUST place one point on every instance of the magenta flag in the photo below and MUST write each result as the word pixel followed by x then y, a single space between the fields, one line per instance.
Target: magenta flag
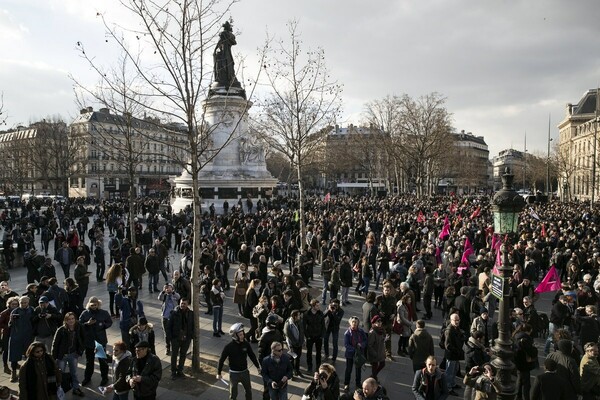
pixel 550 283
pixel 445 230
pixel 467 252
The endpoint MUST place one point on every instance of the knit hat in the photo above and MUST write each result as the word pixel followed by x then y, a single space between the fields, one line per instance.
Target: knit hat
pixel 483 310
pixel 375 319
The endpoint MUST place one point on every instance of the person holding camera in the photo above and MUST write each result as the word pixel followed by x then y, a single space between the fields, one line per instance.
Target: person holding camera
pixel 482 380
pixel 276 371
pixel 46 320
pixel 325 384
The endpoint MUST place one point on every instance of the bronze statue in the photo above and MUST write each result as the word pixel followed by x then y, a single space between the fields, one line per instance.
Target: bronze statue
pixel 223 60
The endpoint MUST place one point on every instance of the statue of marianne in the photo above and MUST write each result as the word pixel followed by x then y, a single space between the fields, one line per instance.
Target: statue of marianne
pixel 223 60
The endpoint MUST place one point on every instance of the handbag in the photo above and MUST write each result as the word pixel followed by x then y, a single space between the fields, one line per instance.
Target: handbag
pixel 359 359
pixel 397 327
pixel 240 291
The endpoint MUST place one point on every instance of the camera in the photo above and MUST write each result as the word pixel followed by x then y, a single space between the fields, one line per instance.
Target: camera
pixel 322 375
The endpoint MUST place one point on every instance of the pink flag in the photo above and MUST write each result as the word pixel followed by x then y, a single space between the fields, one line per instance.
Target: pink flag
pixel 420 217
pixel 543 230
pixel 467 252
pixel 445 230
pixel 327 198
pixel 550 283
pixel 476 212
pixel 453 208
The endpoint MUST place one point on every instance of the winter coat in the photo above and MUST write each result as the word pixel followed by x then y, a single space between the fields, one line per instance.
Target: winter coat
pixel 403 317
pixel 61 343
pixel 454 344
pixel 353 340
pixel 128 316
pixel 420 385
pixel 294 338
pixel 567 367
pixel 21 333
pixel 376 346
pixel 314 324
pixel 151 375
pixel 475 355
pixel 95 332
pixel 420 346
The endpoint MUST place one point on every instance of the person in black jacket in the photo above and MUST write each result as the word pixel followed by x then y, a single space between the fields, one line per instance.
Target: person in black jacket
pixel 145 373
pixel 67 347
pixel 454 351
pixel 237 352
pixel 525 360
pixel 181 324
pixel 559 317
pixel 325 384
pixel 549 385
pixel 314 329
pixel 121 361
pixel 333 317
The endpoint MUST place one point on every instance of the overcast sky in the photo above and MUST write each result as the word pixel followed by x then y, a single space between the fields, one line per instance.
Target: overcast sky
pixel 504 66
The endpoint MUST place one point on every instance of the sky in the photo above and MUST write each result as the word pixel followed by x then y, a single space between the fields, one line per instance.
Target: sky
pixel 504 67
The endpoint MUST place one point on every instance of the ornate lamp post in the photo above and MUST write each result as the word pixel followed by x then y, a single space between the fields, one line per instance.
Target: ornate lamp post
pixel 506 206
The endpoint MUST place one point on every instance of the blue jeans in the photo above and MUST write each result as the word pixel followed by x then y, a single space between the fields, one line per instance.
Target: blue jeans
pixel 153 281
pixel 335 334
pixel 71 361
pixel 348 373
pixel 365 287
pixel 380 274
pixel 451 369
pixel 325 289
pixel 278 394
pixel 550 338
pixel 217 318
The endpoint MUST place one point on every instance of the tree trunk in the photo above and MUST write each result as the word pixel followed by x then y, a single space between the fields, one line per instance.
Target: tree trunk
pixel 194 279
pixel 300 205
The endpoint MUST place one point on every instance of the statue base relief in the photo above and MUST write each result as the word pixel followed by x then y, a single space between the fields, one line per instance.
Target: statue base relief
pixel 239 170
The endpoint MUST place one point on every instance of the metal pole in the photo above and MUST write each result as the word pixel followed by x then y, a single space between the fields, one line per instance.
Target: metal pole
pixel 595 147
pixel 548 162
pixel 524 162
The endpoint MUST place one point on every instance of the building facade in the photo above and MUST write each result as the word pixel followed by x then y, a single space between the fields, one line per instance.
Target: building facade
pixel 111 146
pixel 515 160
pixel 577 149
pixel 355 160
pixel 468 165
pixel 34 159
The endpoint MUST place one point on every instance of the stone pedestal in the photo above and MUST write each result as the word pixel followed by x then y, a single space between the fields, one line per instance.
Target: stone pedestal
pixel 239 170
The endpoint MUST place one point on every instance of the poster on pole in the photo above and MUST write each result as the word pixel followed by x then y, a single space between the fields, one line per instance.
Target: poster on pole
pixel 497 286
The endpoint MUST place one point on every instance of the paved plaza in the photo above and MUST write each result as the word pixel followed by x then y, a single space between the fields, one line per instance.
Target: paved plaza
pixel 396 377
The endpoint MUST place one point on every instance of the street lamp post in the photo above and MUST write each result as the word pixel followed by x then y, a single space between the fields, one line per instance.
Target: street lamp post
pixel 506 206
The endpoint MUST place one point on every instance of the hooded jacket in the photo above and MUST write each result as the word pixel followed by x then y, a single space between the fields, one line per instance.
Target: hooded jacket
pixel 567 367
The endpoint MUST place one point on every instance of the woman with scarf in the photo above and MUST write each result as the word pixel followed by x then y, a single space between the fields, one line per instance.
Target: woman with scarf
pixel 21 334
pixel 142 332
pixel 355 339
pixel 39 377
pixel 121 364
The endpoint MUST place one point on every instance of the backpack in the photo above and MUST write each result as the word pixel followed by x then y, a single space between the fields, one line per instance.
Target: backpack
pixel 443 337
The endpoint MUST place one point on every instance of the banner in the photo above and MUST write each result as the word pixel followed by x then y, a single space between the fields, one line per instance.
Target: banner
pixel 550 283
pixel 468 250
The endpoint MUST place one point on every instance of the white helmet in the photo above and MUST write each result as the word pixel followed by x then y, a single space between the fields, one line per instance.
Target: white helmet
pixel 235 329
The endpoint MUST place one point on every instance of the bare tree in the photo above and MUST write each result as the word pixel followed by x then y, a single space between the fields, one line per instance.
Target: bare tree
pixel 423 137
pixel 304 101
pixel 125 136
pixel 180 38
pixel 566 168
pixel 3 115
pixel 54 159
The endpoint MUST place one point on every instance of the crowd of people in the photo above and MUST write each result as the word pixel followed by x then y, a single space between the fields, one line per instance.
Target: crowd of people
pixel 397 254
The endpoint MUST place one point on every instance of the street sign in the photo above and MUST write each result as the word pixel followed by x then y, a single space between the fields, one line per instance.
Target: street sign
pixel 497 286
